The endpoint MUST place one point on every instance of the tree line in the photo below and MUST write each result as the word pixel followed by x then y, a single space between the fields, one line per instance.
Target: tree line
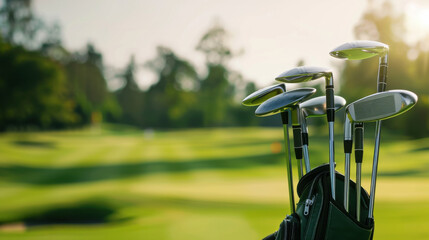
pixel 43 85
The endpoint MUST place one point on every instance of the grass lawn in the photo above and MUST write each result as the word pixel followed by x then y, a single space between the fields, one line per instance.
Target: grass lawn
pixel 121 183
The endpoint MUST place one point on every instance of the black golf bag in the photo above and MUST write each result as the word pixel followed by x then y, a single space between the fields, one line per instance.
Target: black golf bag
pixel 318 216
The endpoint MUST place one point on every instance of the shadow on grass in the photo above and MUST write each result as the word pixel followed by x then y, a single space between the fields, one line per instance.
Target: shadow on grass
pixel 91 212
pixel 423 149
pixel 52 176
pixel 420 172
pixel 39 144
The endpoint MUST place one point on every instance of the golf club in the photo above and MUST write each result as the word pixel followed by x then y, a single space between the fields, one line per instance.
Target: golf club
pixel 281 103
pixel 256 99
pixel 315 107
pixel 305 74
pixel 359 50
pixel 376 107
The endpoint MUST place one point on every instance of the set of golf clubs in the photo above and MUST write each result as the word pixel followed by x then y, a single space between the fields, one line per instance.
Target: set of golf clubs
pixel 373 108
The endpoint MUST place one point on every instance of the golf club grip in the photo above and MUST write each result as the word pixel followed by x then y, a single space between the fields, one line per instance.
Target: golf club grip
pixel 305 138
pixel 297 141
pixel 330 103
pixel 348 145
pixel 358 142
pixel 285 117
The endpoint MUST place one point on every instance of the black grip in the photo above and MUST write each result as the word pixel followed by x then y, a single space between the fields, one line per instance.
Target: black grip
pixel 382 77
pixel 298 152
pixel 297 138
pixel 285 117
pixel 305 138
pixel 330 104
pixel 297 141
pixel 348 145
pixel 359 142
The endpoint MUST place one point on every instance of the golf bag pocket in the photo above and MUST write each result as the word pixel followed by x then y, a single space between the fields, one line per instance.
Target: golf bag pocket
pixel 340 226
pixel 322 217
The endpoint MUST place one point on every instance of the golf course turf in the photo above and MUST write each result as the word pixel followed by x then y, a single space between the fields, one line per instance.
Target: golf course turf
pixel 117 182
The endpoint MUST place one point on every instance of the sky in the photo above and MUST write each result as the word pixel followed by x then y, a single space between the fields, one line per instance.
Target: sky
pixel 274 35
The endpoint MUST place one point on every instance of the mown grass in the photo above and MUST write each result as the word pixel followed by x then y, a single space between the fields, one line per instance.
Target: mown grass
pixel 121 183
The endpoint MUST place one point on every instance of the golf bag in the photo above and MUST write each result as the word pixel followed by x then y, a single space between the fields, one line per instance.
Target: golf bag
pixel 318 216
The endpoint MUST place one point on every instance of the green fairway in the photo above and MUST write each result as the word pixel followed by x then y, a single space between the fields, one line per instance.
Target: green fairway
pixel 121 183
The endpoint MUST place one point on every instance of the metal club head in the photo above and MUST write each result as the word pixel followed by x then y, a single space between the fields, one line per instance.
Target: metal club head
pixel 304 74
pixel 381 106
pixel 316 107
pixel 260 96
pixel 358 50
pixel 283 101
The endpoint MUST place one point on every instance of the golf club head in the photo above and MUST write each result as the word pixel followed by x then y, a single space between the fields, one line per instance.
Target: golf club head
pixel 260 96
pixel 304 74
pixel 358 50
pixel 316 107
pixel 381 106
pixel 283 101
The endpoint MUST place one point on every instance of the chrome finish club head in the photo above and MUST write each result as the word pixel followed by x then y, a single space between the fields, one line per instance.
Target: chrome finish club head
pixel 283 101
pixel 260 96
pixel 304 74
pixel 381 106
pixel 316 107
pixel 358 50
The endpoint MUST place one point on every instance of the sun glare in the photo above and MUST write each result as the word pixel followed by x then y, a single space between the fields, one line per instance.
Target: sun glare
pixel 417 22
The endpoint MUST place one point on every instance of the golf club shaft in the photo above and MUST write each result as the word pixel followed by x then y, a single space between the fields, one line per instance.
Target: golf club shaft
pixel 304 137
pixel 381 87
pixel 330 114
pixel 348 145
pixel 331 158
pixel 306 158
pixel 288 161
pixel 374 169
pixel 347 181
pixel 358 190
pixel 358 159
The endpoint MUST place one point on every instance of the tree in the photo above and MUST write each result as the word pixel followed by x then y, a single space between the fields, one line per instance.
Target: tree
pixel 33 91
pixel 130 97
pixel 216 92
pixel 18 24
pixel 172 100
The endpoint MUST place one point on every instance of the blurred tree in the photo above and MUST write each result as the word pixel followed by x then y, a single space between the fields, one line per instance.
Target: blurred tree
pixel 32 91
pixel 88 86
pixel 130 97
pixel 359 78
pixel 216 92
pixel 18 24
pixel 172 101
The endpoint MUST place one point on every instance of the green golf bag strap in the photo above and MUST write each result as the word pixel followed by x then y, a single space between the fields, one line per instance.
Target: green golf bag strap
pixel 322 217
pixel 288 230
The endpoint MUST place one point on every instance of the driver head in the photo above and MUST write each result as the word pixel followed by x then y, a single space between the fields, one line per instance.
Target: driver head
pixel 304 74
pixel 260 96
pixel 381 106
pixel 358 50
pixel 283 101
